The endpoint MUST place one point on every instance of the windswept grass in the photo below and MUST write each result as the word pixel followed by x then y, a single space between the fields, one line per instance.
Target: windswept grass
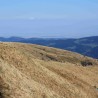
pixel 32 71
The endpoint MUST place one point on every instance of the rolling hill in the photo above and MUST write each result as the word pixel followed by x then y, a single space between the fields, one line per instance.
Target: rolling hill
pixel 85 46
pixel 34 71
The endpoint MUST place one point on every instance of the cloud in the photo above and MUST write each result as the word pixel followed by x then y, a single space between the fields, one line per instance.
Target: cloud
pixel 24 17
pixel 18 18
pixel 31 18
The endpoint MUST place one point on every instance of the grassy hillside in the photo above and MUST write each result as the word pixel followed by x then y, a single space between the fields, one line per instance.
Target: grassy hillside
pixel 33 71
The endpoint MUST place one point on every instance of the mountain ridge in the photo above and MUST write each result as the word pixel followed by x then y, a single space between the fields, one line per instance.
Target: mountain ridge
pixel 85 46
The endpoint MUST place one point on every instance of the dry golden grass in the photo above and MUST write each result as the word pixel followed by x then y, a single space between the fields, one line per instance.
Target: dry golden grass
pixel 33 71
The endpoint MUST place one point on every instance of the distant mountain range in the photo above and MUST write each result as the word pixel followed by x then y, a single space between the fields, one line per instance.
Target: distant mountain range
pixel 87 46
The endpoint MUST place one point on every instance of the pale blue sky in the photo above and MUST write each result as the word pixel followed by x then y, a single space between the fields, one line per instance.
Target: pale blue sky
pixel 48 18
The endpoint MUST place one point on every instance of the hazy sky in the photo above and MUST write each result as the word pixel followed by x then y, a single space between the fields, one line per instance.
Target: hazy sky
pixel 48 18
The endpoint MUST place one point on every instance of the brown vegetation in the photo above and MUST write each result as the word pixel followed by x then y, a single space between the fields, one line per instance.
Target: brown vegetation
pixel 33 71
